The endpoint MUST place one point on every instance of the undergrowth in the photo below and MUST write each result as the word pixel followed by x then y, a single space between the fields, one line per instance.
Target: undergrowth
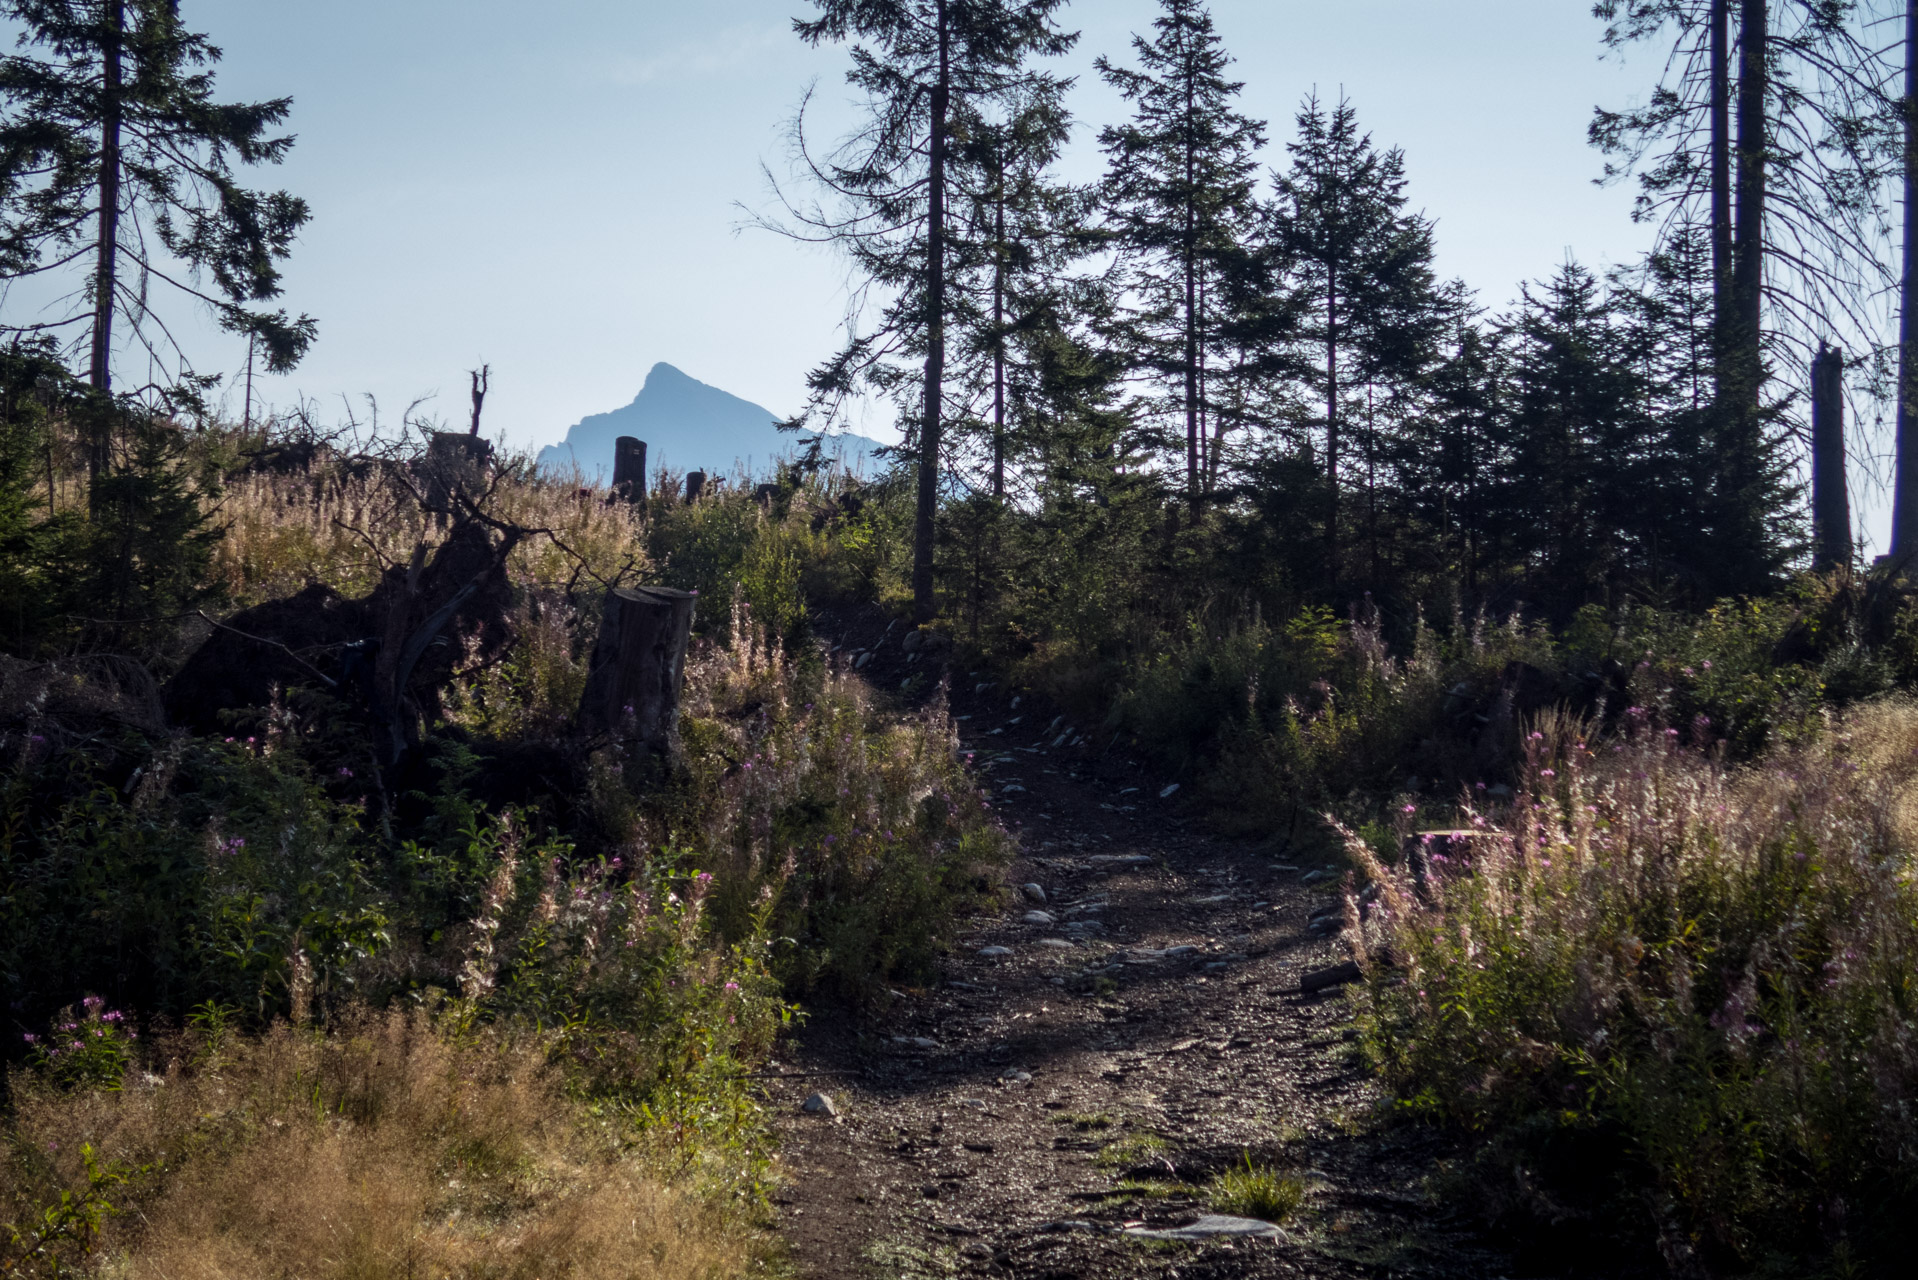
pixel 1672 995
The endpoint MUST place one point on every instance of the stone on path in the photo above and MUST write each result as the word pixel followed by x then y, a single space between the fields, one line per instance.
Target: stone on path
pixel 995 953
pixel 1034 893
pixel 1038 917
pixel 819 1105
pixel 1121 859
pixel 1057 944
pixel 1212 1226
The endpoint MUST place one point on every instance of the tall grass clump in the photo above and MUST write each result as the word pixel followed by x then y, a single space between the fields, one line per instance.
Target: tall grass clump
pixel 1676 995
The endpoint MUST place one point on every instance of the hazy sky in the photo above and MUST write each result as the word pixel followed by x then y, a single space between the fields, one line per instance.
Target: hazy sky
pixel 553 187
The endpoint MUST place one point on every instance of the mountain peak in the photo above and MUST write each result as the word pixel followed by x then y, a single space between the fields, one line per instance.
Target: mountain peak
pixel 688 425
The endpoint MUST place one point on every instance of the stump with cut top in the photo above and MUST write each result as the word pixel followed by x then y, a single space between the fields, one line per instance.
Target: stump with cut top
pixel 695 485
pixel 639 663
pixel 629 468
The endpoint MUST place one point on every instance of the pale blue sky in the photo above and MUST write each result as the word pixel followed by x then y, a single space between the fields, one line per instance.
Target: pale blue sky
pixel 551 187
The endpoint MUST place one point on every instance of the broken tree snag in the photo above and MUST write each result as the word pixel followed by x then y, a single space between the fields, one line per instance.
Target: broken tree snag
pixel 632 686
pixel 695 485
pixel 1830 501
pixel 629 468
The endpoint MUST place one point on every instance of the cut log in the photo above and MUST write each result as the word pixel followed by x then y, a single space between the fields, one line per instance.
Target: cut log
pixel 1338 975
pixel 639 663
pixel 1830 499
pixel 629 468
pixel 695 485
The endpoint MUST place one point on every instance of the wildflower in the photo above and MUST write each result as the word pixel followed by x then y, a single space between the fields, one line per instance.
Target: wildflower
pixel 747 765
pixel 1411 808
pixel 1537 736
pixel 732 986
pixel 1548 773
pixel 1707 665
pixel 1481 786
pixel 30 1038
pixel 345 772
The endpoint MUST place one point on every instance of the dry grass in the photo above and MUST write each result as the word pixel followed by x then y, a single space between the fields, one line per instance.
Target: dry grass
pixel 346 526
pixel 384 1149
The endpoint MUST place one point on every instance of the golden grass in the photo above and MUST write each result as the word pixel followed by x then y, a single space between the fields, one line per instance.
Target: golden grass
pixel 384 1149
pixel 344 528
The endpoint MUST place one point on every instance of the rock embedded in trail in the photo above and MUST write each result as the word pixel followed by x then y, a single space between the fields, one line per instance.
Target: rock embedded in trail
pixel 819 1105
pixel 1212 1226
pixel 1111 860
pixel 1038 917
pixel 1034 893
pixel 995 953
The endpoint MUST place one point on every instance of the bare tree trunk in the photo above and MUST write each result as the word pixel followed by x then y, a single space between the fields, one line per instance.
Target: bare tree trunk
pixel 1748 230
pixel 1191 317
pixel 1721 162
pixel 106 265
pixel 639 666
pixel 629 468
pixel 999 343
pixel 923 603
pixel 1830 499
pixel 1904 507
pixel 1332 420
pixel 482 383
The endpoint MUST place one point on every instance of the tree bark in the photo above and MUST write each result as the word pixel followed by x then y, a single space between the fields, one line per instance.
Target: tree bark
pixel 1904 508
pixel 629 468
pixel 999 342
pixel 1830 499
pixel 106 265
pixel 1332 418
pixel 1191 304
pixel 923 603
pixel 1721 169
pixel 695 485
pixel 639 666
pixel 1748 231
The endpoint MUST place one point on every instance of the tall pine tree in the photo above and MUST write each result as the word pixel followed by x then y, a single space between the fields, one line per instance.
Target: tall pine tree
pixel 887 198
pixel 1179 196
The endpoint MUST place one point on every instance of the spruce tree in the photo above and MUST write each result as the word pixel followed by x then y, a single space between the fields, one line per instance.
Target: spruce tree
pixel 1179 196
pixel 887 194
pixel 1372 309
pixel 117 159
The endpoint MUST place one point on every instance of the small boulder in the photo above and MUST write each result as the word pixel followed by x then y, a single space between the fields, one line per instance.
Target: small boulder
pixel 1038 917
pixel 819 1105
pixel 1034 893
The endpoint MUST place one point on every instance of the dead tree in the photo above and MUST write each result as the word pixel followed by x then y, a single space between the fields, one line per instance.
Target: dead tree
pixel 482 383
pixel 638 666
pixel 629 469
pixel 1830 500
pixel 695 485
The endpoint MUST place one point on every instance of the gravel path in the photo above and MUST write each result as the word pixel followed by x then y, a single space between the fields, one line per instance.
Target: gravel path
pixel 1090 1070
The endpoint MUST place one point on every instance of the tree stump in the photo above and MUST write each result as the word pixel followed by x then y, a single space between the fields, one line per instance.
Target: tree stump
pixel 455 463
pixel 629 468
pixel 695 485
pixel 639 663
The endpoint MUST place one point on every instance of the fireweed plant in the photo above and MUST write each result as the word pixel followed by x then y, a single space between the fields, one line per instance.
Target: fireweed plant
pixel 1677 996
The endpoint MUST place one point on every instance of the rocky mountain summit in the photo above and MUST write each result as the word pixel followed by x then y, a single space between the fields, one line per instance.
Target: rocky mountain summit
pixel 690 426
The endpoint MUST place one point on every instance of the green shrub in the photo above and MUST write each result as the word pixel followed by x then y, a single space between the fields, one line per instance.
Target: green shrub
pixel 1674 993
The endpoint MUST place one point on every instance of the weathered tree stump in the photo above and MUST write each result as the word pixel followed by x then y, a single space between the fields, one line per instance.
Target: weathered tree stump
pixel 695 485
pixel 629 468
pixel 455 463
pixel 639 663
pixel 1830 499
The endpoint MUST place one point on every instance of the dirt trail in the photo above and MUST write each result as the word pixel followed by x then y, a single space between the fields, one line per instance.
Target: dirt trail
pixel 1015 1119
